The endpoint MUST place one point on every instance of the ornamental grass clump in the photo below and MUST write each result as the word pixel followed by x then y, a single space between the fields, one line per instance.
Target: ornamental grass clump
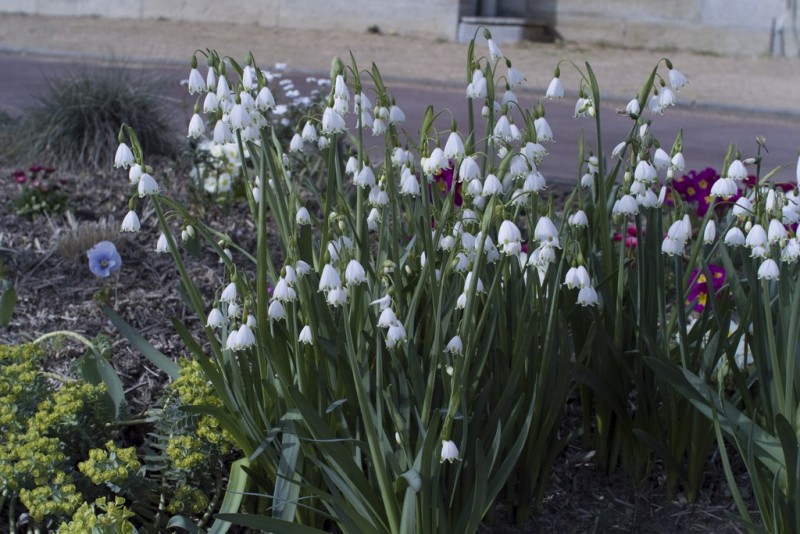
pixel 74 125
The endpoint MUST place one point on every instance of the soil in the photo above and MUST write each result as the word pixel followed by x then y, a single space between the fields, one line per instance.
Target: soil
pixel 48 267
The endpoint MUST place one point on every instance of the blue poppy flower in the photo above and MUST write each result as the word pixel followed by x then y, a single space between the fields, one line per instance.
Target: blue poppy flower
pixel 104 259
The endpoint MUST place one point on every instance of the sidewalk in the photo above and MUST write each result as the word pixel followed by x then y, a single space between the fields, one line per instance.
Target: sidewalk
pixel 767 86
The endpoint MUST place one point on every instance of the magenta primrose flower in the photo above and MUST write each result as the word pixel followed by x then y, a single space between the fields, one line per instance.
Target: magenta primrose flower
pixel 699 285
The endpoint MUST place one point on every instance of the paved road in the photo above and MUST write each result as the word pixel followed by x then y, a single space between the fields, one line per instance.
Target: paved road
pixel 706 133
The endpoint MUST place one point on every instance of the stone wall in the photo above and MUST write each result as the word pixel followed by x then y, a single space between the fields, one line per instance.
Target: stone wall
pixel 714 26
pixel 432 18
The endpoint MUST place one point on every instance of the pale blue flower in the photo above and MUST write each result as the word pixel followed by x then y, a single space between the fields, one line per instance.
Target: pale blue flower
pixel 104 259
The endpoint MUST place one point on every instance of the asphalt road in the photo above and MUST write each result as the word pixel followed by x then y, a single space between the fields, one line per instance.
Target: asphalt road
pixel 707 133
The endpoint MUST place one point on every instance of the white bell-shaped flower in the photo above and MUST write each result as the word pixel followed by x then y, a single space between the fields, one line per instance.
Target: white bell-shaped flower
pixel 130 223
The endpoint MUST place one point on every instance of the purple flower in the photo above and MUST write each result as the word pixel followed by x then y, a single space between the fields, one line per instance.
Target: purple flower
pixel 699 285
pixel 104 259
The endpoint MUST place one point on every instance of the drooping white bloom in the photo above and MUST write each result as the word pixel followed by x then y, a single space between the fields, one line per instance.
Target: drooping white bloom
pixel 468 284
pixel 710 232
pixel 455 346
pixel 354 273
pixel 302 268
pixel 265 100
pixel 769 270
pixel 336 297
pixel 648 199
pixel 196 82
pixel 477 87
pixel 329 279
pixel 147 185
pixel 776 232
pixel 305 336
pixel 454 148
pixel 734 237
pixel 396 115
pixel 661 159
pixel 239 118
pixel 502 129
pixel 296 144
pixel 587 296
pixel 666 98
pixel 677 79
pixel 283 291
pixel 233 310
pixel 408 183
pixel 446 242
pixel 197 127
pixel 222 133
pixel 215 318
pixel 534 182
pixel 626 205
pixel 633 107
pixel 509 97
pixel 756 237
pixel 672 247
pixel 302 217
pixel 618 149
pixel 577 277
pixel 332 122
pixel 229 293
pixel 378 197
pixel 491 186
pixel 378 126
pixel 677 162
pixel 494 50
pixel 433 163
pixel 578 219
pixel 771 201
pixel 449 451
pixel 724 188
pixel 276 311
pixel 514 77
pixel 791 251
pixel 162 245
pixel 543 131
pixel 469 169
pixel 323 142
pixel 645 172
pixel 797 172
pixel 555 90
pixel 130 223
pixel 309 133
pixel 135 174
pixel 386 318
pixel 395 335
pixel 509 238
pixel 518 167
pixel 244 337
pixel 365 177
pixel 545 231
pixel 123 157
pixel 737 171
pixel 352 165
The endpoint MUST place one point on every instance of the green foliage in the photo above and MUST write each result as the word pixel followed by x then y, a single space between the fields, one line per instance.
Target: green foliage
pixel 75 125
pixel 42 192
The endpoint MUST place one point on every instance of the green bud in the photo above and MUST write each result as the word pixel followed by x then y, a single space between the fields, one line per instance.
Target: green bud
pixel 248 59
pixel 337 67
pixel 668 63
pixel 487 34
pixel 194 61
pixel 557 72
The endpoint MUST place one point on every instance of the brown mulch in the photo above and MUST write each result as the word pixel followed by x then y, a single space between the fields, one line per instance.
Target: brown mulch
pixel 57 291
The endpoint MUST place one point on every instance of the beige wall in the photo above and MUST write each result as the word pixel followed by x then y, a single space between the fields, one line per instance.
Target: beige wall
pixel 715 26
pixel 433 18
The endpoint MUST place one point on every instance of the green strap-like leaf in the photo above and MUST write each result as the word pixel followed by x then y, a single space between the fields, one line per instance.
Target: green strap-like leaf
pixel 139 343
pixel 233 498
